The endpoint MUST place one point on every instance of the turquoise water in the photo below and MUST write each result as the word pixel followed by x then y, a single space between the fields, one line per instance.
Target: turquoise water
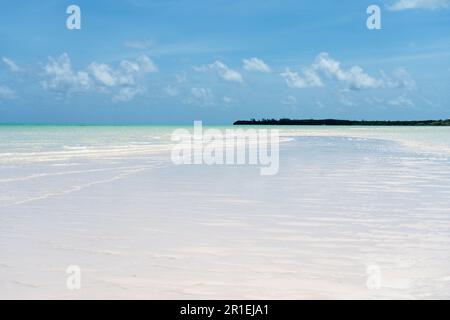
pixel 110 200
pixel 28 141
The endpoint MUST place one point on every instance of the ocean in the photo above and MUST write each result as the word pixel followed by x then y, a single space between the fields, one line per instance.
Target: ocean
pixel 353 212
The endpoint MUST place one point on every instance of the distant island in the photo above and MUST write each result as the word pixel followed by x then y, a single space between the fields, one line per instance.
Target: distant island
pixel 335 122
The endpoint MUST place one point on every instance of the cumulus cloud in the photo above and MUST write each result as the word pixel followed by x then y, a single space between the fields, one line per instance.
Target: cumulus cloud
pixel 201 93
pixel 223 71
pixel 126 78
pixel 125 74
pixel 123 81
pixel 309 79
pixel 127 94
pixel 6 93
pixel 103 73
pixel 419 4
pixel 355 77
pixel 400 78
pixel 146 64
pixel 255 64
pixel 61 76
pixel 11 64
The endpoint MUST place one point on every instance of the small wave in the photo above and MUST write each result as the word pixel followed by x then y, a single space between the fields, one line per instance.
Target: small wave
pixel 77 188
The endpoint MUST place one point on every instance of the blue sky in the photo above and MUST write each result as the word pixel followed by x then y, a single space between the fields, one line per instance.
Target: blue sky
pixel 172 62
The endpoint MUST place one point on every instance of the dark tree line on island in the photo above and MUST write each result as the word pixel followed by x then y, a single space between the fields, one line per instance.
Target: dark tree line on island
pixel 335 122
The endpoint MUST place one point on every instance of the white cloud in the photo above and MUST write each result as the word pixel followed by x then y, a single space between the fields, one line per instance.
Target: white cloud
pixel 201 93
pixel 309 79
pixel 6 93
pixel 227 73
pixel 401 101
pixel 61 76
pixel 126 78
pixel 124 82
pixel 355 77
pixel 125 74
pixel 127 94
pixel 223 71
pixel 146 64
pixel 11 64
pixel 400 78
pixel 103 73
pixel 419 4
pixel 255 64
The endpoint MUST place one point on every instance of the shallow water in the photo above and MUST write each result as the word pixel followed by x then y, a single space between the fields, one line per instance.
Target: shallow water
pixel 345 201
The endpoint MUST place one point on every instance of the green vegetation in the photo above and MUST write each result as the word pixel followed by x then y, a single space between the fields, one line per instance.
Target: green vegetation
pixel 335 122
